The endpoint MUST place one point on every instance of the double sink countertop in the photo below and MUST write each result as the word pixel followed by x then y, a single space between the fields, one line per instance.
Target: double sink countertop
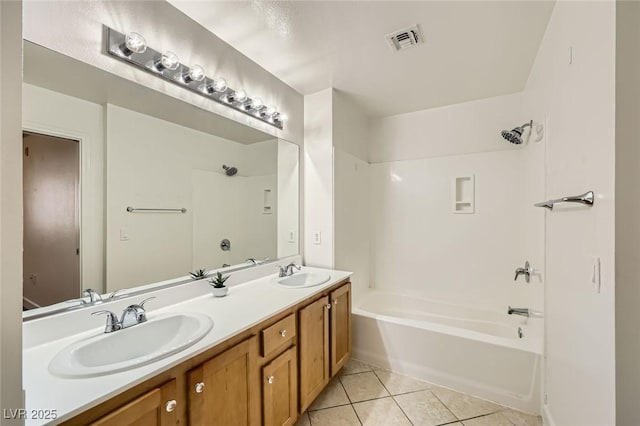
pixel 247 304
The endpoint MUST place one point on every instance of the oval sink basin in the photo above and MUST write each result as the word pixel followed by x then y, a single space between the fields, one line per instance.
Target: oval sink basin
pixel 304 279
pixel 132 347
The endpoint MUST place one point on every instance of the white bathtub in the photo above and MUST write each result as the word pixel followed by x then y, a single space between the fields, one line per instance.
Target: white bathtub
pixel 474 351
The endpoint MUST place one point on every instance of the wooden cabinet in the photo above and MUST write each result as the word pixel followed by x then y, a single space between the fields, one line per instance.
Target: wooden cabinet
pixel 156 407
pixel 340 327
pixel 314 350
pixel 325 342
pixel 280 390
pixel 267 374
pixel 222 390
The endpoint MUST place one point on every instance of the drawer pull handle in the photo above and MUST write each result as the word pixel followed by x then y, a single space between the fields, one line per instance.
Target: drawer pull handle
pixel 270 379
pixel 199 387
pixel 171 405
pixel 328 305
pixel 335 301
pixel 283 333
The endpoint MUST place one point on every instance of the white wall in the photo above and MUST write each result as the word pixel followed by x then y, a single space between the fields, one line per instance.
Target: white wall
pixel 11 207
pixel 578 98
pixel 456 129
pixel 74 28
pixel 352 231
pixel 153 163
pixel 419 246
pixel 318 179
pixel 422 248
pixel 53 113
pixel 351 173
pixel 627 212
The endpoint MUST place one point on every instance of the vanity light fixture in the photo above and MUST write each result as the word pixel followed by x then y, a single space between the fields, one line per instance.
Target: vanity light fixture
pixel 132 48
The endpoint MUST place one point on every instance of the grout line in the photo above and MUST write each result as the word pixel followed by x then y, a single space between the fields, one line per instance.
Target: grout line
pixel 345 390
pixel 445 406
pixel 326 408
pixel 400 407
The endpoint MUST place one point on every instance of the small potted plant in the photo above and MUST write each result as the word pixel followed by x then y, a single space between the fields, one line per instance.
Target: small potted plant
pixel 217 282
pixel 199 274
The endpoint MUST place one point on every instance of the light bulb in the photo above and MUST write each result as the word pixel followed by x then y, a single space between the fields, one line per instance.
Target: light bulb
pixel 219 84
pixel 241 95
pixel 168 61
pixel 133 43
pixel 195 73
pixel 270 111
pixel 256 103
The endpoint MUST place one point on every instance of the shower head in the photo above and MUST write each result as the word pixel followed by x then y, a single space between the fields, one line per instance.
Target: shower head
pixel 230 170
pixel 515 135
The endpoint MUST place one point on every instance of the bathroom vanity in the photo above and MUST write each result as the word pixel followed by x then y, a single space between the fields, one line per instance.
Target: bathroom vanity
pixel 271 351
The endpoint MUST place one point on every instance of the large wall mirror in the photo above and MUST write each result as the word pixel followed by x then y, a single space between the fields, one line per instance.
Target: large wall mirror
pixel 125 186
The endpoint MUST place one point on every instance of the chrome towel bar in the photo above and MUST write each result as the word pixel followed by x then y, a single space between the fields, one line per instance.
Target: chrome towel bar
pixel 133 209
pixel 587 198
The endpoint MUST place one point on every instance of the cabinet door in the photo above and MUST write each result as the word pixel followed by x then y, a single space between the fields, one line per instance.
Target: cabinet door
pixel 222 391
pixel 155 408
pixel 340 327
pixel 313 330
pixel 280 390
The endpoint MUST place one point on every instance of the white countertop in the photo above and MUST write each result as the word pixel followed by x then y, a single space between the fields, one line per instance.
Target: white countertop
pixel 246 305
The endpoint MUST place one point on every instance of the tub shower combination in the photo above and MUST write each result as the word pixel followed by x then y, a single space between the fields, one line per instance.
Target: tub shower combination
pixel 484 353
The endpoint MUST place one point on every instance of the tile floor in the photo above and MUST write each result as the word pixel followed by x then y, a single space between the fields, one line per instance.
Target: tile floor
pixel 365 395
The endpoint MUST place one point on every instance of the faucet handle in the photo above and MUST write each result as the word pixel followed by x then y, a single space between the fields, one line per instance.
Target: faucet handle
pixel 283 270
pixel 112 321
pixel 526 271
pixel 141 304
pixel 113 295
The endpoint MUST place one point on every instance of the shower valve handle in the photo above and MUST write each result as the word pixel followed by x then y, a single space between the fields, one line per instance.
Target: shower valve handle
pixel 526 271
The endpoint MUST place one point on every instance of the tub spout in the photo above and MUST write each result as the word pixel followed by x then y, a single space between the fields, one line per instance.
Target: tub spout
pixel 518 311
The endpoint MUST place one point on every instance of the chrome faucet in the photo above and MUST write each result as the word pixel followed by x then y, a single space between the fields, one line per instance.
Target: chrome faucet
pixel 132 315
pixel 94 298
pixel 288 270
pixel 519 311
pixel 256 262
pixel 526 271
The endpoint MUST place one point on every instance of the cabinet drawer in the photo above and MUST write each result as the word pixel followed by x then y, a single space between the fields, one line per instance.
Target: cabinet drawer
pixel 278 334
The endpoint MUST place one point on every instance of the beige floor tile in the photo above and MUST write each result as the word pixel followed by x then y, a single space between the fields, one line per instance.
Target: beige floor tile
pixel 332 396
pixel 354 366
pixel 363 386
pixel 464 406
pixel 336 416
pixel 518 418
pixel 495 419
pixel 381 412
pixel 397 383
pixel 424 409
pixel 303 420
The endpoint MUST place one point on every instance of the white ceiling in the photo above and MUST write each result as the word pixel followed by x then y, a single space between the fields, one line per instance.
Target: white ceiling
pixel 473 49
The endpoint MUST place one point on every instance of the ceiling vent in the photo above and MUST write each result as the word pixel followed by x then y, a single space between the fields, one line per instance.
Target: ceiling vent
pixel 405 39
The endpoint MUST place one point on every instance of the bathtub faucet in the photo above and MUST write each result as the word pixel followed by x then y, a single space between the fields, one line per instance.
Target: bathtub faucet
pixel 518 311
